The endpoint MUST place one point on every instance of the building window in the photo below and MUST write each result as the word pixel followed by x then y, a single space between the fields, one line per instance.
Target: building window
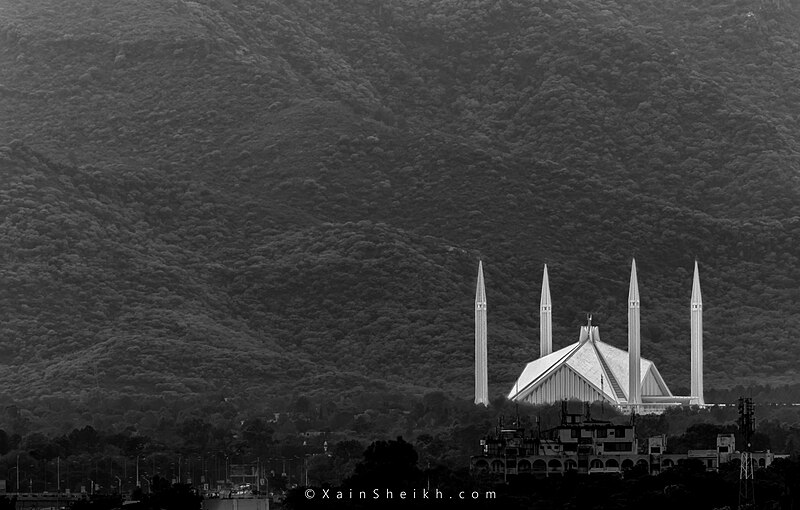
pixel 575 432
pixel 618 447
pixel 602 432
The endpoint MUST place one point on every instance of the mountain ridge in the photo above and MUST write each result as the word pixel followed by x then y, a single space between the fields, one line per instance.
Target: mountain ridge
pixel 291 198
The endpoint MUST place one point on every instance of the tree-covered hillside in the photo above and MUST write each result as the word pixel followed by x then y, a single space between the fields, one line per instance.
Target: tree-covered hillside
pixel 290 197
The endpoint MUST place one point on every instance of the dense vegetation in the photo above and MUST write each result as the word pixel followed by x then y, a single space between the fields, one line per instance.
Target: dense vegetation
pixel 214 206
pixel 324 443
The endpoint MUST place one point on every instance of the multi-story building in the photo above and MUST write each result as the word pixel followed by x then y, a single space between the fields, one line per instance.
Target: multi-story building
pixel 590 446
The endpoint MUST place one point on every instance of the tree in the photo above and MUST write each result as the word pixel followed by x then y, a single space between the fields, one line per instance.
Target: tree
pixel 387 464
pixel 4 443
pixel 196 435
pixel 257 436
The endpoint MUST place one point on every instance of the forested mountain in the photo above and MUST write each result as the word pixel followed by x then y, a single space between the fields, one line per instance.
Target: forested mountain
pixel 258 200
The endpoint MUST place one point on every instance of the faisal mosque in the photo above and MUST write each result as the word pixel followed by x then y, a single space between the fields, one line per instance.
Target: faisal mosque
pixel 590 369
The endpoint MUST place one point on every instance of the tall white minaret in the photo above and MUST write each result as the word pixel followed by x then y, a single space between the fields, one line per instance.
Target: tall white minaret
pixel 634 341
pixel 481 370
pixel 697 340
pixel 545 319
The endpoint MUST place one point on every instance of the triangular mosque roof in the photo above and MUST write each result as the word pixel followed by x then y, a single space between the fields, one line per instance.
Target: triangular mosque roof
pixel 591 359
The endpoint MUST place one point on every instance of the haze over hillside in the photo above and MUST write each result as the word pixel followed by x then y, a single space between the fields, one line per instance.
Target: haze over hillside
pixel 284 198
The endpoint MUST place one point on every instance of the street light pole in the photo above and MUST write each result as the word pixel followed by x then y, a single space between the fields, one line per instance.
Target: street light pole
pixel 17 473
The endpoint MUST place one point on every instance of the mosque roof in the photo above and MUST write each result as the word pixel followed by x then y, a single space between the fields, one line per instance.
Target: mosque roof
pixel 601 365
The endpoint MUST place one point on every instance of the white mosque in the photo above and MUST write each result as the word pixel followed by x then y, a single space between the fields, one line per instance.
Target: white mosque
pixel 589 369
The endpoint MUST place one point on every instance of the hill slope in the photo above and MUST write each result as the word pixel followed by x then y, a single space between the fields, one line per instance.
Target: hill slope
pixel 290 198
